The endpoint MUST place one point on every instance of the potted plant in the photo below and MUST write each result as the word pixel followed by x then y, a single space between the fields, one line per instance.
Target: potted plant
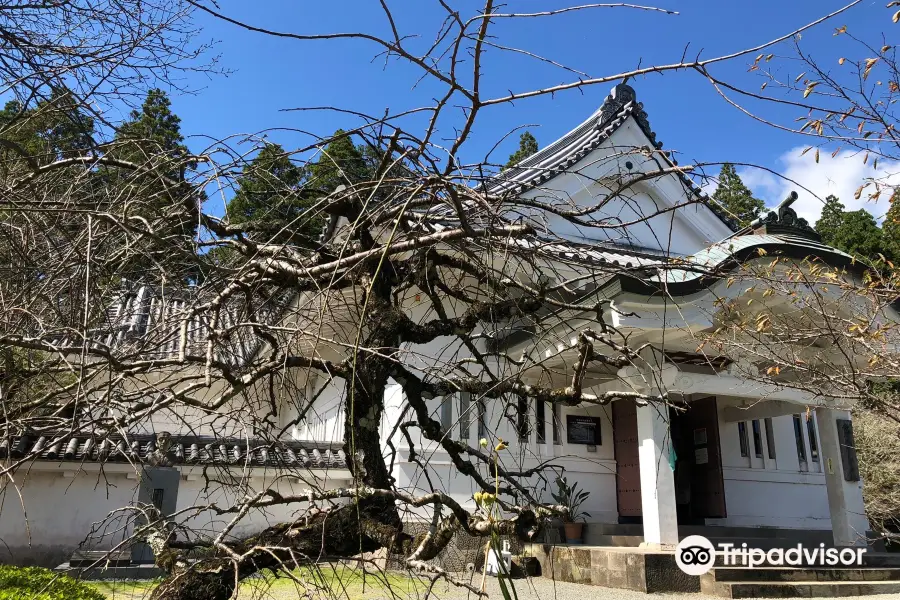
pixel 571 498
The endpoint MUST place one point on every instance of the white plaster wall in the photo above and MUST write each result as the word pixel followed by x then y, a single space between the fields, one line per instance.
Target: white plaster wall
pixel 63 506
pixel 761 492
pixel 324 421
pixel 683 231
pixel 194 491
pixel 59 512
pixel 593 471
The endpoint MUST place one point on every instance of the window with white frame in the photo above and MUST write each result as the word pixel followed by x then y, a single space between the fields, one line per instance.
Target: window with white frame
pixel 742 439
pixel 801 444
pixel 557 423
pixel 770 438
pixel 757 438
pixel 540 424
pixel 465 405
pixel 482 418
pixel 813 438
pixel 522 419
pixel 447 413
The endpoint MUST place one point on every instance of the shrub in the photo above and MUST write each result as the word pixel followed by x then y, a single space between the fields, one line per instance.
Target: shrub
pixel 34 583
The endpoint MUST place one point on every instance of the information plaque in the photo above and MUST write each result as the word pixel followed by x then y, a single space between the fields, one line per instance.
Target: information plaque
pixel 583 430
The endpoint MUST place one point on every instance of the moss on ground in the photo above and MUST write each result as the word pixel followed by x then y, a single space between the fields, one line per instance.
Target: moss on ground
pixel 324 581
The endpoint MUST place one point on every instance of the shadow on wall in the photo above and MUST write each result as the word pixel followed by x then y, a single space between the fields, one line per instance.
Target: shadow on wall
pixel 35 556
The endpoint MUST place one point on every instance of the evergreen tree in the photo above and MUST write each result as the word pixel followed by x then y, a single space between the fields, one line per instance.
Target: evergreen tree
pixel 859 234
pixel 890 229
pixel 527 146
pixel 736 198
pixel 855 232
pixel 341 162
pixel 53 129
pixel 158 191
pixel 270 196
pixel 830 220
pixel 154 134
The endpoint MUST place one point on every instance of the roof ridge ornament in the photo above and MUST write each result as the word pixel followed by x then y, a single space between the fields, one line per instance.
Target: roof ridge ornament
pixel 618 98
pixel 784 219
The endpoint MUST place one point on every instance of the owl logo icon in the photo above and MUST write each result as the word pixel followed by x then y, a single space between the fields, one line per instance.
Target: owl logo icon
pixel 695 555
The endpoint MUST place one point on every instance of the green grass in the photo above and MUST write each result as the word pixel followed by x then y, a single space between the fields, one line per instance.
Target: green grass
pixel 324 581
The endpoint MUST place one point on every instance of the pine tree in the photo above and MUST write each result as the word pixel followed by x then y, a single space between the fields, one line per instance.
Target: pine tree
pixel 736 198
pixel 527 146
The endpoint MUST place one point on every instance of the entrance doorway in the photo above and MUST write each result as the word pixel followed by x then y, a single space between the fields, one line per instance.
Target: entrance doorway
pixel 699 485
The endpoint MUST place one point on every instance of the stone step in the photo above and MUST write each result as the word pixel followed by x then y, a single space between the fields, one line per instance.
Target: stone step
pixel 776 574
pixel 802 589
pixel 620 541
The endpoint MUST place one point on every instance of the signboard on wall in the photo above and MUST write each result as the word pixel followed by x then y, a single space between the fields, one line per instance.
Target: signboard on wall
pixel 583 430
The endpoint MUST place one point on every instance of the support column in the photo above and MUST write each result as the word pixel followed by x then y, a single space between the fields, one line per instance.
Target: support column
pixel 845 500
pixel 657 477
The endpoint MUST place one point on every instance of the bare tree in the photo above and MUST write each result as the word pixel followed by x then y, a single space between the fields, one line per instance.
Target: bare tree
pixel 113 320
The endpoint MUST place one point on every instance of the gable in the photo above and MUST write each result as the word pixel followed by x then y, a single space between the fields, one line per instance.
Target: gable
pixel 605 167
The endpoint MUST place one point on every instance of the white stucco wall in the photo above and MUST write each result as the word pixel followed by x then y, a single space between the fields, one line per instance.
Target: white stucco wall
pixel 644 208
pixel 772 493
pixel 63 506
pixel 593 471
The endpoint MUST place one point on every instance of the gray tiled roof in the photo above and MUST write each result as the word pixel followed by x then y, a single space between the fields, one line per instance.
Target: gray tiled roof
pixel 183 450
pixel 711 258
pixel 148 320
pixel 560 156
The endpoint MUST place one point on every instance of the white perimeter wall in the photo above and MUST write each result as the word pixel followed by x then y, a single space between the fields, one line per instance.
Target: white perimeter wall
pixel 63 506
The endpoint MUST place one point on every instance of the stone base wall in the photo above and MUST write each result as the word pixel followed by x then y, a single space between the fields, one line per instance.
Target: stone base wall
pixel 35 556
pixel 463 553
pixel 626 568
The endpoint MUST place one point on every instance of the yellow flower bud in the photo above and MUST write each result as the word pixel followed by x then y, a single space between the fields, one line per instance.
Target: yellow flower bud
pixel 478 496
pixel 501 446
pixel 483 442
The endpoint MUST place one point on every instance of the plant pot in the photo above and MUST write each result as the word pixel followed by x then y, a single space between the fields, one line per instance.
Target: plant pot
pixel 574 532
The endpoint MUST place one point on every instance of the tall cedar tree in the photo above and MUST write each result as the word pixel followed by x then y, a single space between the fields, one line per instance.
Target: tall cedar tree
pixel 831 218
pixel 736 198
pixel 270 195
pixel 890 230
pixel 527 146
pixel 855 232
pixel 341 162
pixel 53 129
pixel 157 191
pixel 273 193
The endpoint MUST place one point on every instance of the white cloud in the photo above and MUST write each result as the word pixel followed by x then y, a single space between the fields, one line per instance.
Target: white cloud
pixel 841 175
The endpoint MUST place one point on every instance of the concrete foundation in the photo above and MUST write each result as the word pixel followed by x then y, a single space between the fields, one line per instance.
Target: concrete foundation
pixel 637 569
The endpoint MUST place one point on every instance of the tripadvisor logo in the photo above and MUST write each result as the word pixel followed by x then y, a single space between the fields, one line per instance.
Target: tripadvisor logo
pixel 696 555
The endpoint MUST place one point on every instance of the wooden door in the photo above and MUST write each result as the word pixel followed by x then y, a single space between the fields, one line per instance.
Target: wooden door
pixel 628 469
pixel 707 483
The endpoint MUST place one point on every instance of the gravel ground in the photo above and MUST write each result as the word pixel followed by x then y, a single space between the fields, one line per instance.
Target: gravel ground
pixel 537 588
pixel 540 588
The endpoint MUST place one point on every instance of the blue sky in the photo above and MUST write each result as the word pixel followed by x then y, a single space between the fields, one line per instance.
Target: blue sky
pixel 271 74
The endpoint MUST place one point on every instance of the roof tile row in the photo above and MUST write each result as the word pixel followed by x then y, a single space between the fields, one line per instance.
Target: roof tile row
pixel 184 450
